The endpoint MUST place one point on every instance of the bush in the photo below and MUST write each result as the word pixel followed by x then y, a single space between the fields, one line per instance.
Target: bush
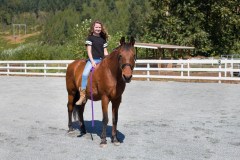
pixel 34 51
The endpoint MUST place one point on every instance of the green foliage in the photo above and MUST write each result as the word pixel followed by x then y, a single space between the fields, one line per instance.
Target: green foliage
pixel 34 51
pixel 213 27
pixel 114 41
pixel 138 10
pixel 77 44
pixel 210 26
pixel 59 27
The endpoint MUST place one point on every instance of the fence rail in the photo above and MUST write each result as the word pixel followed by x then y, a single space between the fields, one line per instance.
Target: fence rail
pixel 192 69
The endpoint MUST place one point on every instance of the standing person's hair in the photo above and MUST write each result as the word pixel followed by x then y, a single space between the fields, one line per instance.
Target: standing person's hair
pixel 103 33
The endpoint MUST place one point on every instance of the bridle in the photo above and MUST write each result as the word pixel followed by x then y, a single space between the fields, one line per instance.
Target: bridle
pixel 126 64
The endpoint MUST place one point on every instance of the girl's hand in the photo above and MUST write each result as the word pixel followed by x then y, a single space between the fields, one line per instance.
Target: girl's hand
pixel 94 64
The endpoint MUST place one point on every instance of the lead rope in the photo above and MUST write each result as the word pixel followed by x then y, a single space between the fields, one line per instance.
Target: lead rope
pixel 91 90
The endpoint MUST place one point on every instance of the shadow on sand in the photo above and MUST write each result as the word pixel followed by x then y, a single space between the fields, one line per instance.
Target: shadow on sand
pixel 97 129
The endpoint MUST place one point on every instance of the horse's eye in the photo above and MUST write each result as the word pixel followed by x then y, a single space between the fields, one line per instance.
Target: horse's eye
pixel 119 56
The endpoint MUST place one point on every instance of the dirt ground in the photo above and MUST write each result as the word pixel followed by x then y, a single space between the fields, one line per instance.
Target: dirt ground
pixel 19 38
pixel 157 121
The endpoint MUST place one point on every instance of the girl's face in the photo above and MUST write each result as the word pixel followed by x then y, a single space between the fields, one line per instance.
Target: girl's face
pixel 97 28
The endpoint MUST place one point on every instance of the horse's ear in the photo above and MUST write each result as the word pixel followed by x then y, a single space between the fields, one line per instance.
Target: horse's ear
pixel 132 41
pixel 122 40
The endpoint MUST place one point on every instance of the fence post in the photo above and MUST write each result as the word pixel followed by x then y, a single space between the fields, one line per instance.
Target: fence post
pixel 148 72
pixel 231 67
pixel 45 69
pixel 219 72
pixel 8 70
pixel 25 70
pixel 225 68
pixel 58 67
pixel 188 66
pixel 182 69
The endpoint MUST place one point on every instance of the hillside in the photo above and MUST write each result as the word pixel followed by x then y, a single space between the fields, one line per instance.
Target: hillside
pixel 212 28
pixel 19 39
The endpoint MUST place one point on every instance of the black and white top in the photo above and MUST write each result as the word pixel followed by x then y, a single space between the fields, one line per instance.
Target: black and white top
pixel 98 44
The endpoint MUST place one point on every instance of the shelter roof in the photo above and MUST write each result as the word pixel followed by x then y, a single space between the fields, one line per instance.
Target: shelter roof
pixel 158 46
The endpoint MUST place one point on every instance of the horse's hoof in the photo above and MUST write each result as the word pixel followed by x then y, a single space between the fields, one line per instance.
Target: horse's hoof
pixel 83 131
pixel 103 144
pixel 70 131
pixel 117 143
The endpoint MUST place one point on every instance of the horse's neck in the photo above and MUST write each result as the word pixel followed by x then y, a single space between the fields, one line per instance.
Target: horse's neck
pixel 113 64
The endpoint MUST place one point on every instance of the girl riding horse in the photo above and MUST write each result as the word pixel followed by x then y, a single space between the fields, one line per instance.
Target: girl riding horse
pixel 108 84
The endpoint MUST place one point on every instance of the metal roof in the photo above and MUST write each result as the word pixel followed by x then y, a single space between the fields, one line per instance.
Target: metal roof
pixel 157 46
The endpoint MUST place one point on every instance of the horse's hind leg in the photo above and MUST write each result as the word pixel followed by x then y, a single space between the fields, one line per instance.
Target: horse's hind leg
pixel 81 119
pixel 70 106
pixel 115 107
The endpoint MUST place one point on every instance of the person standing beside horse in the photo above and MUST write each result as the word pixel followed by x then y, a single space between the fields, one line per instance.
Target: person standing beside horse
pixel 96 48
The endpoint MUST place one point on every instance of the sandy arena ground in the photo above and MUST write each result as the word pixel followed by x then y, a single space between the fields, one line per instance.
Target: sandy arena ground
pixel 157 121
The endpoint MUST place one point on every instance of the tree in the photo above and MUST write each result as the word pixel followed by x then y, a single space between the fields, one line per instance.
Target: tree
pixel 210 26
pixel 137 13
pixel 59 27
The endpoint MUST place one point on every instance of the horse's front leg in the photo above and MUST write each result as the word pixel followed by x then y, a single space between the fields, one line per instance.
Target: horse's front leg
pixel 115 107
pixel 105 101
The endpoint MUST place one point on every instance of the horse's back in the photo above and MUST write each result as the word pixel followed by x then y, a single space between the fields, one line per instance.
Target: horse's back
pixel 73 74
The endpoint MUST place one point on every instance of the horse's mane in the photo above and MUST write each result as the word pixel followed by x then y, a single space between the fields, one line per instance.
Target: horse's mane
pixel 115 52
pixel 126 46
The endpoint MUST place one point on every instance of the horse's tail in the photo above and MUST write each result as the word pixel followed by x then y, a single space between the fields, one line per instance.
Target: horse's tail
pixel 73 77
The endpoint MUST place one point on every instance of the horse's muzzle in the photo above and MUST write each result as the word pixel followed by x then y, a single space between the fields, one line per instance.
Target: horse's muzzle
pixel 127 79
pixel 127 71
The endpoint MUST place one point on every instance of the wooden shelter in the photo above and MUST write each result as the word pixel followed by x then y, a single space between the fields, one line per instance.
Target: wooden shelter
pixel 157 51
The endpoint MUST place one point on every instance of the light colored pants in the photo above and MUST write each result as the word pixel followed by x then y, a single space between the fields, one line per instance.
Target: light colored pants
pixel 86 72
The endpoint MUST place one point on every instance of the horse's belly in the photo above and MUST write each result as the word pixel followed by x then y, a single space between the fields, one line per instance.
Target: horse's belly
pixel 111 91
pixel 95 96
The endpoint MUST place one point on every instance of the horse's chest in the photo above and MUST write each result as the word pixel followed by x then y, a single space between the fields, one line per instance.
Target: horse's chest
pixel 108 87
pixel 116 91
pixel 112 92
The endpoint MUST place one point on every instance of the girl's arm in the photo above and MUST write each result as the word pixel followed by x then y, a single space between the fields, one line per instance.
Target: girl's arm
pixel 89 51
pixel 105 52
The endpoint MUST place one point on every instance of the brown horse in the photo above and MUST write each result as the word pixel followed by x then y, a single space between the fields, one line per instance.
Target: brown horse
pixel 108 84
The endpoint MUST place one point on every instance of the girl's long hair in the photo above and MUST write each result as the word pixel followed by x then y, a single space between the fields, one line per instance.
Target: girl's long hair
pixel 103 33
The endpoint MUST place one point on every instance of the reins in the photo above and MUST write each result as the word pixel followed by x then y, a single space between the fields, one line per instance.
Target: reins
pixel 91 90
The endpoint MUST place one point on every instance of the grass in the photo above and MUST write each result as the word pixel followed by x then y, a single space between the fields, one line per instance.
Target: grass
pixel 31 49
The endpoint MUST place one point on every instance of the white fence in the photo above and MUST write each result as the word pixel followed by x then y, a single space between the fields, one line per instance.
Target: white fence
pixel 207 69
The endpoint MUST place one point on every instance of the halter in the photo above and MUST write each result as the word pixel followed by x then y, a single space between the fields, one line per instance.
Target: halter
pixel 126 64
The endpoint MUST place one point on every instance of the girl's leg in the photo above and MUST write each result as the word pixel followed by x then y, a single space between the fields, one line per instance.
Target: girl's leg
pixel 82 90
pixel 85 74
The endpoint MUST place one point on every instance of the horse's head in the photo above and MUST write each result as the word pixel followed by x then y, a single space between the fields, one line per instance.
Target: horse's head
pixel 126 58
